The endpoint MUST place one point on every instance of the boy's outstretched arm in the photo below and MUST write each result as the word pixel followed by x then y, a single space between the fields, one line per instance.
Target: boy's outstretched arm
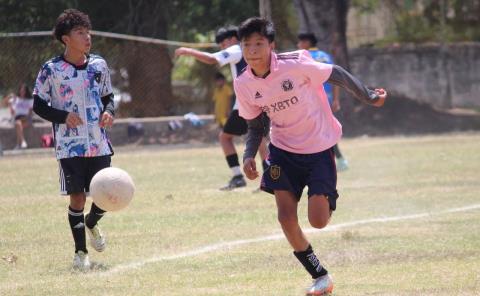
pixel 202 56
pixel 349 82
pixel 255 134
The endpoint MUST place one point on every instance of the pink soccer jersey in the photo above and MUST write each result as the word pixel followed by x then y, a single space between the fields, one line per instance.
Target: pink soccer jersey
pixel 301 118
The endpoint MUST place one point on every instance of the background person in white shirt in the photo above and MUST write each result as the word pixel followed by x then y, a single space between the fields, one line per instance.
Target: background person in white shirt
pixel 230 53
pixel 21 109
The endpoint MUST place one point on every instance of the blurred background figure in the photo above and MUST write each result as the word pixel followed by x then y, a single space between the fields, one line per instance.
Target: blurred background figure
pixel 308 41
pixel 222 96
pixel 21 110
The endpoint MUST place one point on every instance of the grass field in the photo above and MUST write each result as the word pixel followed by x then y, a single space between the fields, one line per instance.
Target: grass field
pixel 407 223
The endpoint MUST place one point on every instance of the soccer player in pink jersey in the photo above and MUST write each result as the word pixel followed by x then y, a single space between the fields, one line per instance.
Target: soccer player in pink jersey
pixel 303 131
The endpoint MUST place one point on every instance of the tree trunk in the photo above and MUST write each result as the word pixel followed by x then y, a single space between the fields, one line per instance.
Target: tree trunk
pixel 327 19
pixel 149 66
pixel 265 9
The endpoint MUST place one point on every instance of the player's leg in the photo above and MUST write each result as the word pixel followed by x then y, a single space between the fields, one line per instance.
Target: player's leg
pixel 19 127
pixel 342 163
pixel 321 182
pixel 318 211
pixel 235 126
pixel 287 217
pixel 72 176
pixel 303 251
pixel 97 238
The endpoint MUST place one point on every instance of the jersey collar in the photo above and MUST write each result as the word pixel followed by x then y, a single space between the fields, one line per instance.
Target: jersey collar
pixel 77 67
pixel 273 67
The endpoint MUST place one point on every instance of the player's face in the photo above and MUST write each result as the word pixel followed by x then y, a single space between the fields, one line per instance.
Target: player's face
pixel 303 44
pixel 226 43
pixel 257 50
pixel 78 39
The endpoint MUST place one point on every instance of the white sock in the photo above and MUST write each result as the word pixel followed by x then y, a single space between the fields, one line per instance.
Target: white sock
pixel 236 171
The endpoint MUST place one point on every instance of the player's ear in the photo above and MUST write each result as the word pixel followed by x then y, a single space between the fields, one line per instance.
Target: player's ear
pixel 272 45
pixel 65 39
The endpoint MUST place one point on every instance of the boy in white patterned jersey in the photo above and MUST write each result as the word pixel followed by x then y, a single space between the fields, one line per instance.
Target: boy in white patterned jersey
pixel 231 54
pixel 73 91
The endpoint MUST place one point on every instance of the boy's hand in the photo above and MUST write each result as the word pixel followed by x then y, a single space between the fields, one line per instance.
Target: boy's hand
pixel 73 120
pixel 181 51
pixel 250 168
pixel 382 95
pixel 106 120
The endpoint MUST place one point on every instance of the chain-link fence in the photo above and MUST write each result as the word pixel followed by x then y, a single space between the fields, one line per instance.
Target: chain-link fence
pixel 140 69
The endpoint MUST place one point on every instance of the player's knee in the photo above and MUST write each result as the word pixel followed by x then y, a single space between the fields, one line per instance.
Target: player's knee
pixel 287 219
pixel 319 221
pixel 77 201
pixel 18 123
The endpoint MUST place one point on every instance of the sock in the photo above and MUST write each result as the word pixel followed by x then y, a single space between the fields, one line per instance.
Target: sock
pixel 236 171
pixel 77 225
pixel 311 263
pixel 265 165
pixel 337 152
pixel 233 164
pixel 95 214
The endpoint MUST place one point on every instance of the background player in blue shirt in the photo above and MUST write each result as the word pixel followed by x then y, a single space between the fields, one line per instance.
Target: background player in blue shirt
pixel 308 42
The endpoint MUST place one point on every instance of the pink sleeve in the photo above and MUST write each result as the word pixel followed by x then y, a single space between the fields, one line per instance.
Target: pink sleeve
pixel 316 71
pixel 245 108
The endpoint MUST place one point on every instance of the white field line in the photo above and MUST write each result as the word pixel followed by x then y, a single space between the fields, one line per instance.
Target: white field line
pixel 235 243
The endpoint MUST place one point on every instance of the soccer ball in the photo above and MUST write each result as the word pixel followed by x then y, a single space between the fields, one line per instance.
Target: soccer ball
pixel 112 189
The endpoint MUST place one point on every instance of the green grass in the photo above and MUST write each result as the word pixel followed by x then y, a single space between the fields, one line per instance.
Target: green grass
pixel 178 209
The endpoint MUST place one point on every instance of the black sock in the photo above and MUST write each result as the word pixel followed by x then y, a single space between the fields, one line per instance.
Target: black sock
pixel 77 225
pixel 265 165
pixel 232 160
pixel 311 263
pixel 337 152
pixel 95 214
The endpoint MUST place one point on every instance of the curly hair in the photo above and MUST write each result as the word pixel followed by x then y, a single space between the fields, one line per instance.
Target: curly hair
pixel 68 20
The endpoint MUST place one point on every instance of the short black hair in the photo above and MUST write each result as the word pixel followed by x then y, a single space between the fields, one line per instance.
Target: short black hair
pixel 258 25
pixel 225 33
pixel 68 20
pixel 309 37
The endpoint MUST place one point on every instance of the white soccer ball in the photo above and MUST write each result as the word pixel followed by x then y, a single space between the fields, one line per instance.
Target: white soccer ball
pixel 112 189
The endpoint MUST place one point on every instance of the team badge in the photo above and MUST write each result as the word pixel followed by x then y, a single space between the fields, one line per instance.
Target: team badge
pixel 274 172
pixel 225 54
pixel 287 85
pixel 97 75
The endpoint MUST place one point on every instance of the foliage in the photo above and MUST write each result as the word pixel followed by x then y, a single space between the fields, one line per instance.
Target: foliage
pixel 429 20
pixel 185 20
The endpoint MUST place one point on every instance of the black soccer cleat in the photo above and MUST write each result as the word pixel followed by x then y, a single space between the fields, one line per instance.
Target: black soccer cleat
pixel 235 182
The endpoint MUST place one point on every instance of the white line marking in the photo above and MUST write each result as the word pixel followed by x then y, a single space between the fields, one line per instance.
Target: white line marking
pixel 230 244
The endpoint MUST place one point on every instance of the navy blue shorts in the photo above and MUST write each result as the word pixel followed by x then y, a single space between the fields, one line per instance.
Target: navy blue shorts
pixel 292 172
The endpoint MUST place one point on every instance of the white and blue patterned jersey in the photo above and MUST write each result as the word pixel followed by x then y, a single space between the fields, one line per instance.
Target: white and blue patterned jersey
pixel 78 89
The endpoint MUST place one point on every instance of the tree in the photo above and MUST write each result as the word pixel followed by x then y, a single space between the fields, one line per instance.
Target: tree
pixel 327 19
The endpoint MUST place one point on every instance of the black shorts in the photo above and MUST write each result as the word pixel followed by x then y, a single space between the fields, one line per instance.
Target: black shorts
pixel 77 172
pixel 292 172
pixel 21 117
pixel 235 124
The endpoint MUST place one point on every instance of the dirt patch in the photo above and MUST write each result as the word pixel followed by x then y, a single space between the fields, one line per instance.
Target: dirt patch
pixel 403 116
